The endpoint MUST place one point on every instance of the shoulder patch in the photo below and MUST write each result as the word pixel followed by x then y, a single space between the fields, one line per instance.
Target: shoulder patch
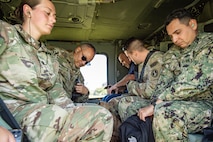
pixel 154 64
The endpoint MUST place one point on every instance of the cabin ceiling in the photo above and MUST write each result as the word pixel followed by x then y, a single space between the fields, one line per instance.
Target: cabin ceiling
pixel 106 20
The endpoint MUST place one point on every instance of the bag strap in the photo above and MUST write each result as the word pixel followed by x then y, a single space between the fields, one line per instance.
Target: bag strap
pixel 144 65
pixel 7 116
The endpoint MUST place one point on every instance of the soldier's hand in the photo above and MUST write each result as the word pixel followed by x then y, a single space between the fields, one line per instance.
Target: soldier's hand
pixel 80 88
pixel 112 89
pixel 6 136
pixel 145 112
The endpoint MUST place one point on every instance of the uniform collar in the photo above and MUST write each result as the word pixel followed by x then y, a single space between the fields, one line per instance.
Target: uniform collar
pixel 27 38
pixel 41 47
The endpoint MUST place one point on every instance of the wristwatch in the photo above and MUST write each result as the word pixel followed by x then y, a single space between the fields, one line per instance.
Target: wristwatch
pixel 153 102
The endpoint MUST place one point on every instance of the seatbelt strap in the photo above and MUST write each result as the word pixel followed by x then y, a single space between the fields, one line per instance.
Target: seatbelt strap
pixel 144 65
pixel 7 116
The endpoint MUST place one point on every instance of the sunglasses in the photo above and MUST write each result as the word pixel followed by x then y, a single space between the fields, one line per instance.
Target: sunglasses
pixel 83 58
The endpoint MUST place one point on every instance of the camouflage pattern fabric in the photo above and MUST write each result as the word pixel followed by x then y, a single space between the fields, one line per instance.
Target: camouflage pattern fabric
pixel 48 123
pixel 173 122
pixel 68 73
pixel 127 105
pixel 187 91
pixel 31 88
pixel 194 72
pixel 170 69
pixel 141 89
pixel 130 105
pixel 144 87
pixel 112 106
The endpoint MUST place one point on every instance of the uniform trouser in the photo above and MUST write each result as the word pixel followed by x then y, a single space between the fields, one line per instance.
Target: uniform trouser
pixel 130 105
pixel 174 120
pixel 51 123
pixel 112 106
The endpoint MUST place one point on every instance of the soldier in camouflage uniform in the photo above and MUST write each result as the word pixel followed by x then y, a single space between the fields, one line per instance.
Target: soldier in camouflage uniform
pixel 130 105
pixel 183 100
pixel 119 88
pixel 143 86
pixel 69 71
pixel 30 86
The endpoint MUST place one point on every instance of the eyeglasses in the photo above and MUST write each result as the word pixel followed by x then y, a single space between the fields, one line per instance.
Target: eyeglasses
pixel 84 58
pixel 124 48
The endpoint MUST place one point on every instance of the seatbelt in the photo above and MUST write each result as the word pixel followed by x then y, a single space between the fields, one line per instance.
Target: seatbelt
pixel 4 124
pixel 7 116
pixel 144 65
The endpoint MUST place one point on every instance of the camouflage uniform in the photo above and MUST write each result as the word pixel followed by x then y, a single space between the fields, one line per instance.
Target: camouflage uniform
pixel 30 87
pixel 68 73
pixel 136 89
pixel 129 105
pixel 186 88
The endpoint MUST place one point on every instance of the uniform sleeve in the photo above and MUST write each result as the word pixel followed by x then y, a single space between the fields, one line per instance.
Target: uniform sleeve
pixel 3 37
pixel 194 81
pixel 17 76
pixel 80 98
pixel 151 75
pixel 58 95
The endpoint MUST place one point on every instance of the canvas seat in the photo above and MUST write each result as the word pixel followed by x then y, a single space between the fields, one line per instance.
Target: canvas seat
pixel 195 137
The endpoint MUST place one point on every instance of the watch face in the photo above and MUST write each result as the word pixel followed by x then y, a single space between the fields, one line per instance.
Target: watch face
pixel 17 133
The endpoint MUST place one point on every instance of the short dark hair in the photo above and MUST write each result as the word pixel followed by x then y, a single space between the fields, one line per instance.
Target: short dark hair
pixel 133 44
pixel 127 43
pixel 182 14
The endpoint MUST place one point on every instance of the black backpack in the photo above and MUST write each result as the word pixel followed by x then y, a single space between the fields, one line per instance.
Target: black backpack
pixel 135 130
pixel 208 134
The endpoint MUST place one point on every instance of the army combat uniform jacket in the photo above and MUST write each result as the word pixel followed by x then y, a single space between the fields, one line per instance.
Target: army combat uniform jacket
pixel 186 87
pixel 143 88
pixel 30 87
pixel 68 73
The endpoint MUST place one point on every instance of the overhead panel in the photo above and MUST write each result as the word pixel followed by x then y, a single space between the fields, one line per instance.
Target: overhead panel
pixel 76 14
